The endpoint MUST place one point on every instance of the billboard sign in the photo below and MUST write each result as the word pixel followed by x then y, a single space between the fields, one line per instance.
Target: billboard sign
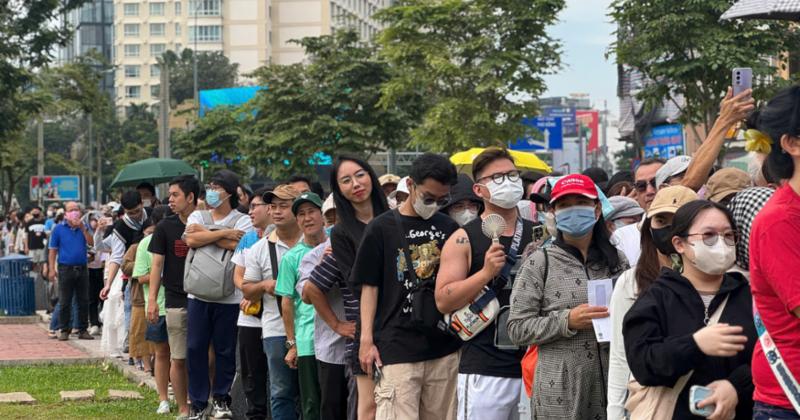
pixel 664 141
pixel 56 187
pixel 589 123
pixel 549 134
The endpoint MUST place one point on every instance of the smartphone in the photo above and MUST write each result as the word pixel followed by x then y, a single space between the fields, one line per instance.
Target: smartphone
pixel 377 374
pixel 699 393
pixel 742 79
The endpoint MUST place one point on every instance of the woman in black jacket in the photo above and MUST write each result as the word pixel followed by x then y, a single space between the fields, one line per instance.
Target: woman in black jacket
pixel 666 332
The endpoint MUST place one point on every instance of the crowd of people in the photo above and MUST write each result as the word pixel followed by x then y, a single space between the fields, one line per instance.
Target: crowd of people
pixel 442 295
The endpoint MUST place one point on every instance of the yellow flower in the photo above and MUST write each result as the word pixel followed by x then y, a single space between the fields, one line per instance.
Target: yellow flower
pixel 756 141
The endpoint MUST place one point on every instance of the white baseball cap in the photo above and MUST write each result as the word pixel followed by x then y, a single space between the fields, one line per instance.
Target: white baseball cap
pixel 673 167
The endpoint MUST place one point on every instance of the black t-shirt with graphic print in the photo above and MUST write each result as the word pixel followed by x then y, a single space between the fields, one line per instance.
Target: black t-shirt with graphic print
pixel 380 262
pixel 168 241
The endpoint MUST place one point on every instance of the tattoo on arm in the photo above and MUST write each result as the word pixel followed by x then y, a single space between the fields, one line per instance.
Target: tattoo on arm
pixel 462 240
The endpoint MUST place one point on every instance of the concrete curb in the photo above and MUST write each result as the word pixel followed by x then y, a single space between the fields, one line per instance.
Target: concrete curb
pixel 7 320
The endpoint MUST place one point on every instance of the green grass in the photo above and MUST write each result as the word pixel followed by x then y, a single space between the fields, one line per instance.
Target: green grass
pixel 45 382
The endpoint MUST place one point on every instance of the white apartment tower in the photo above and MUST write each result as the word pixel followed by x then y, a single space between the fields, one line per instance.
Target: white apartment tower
pixel 251 33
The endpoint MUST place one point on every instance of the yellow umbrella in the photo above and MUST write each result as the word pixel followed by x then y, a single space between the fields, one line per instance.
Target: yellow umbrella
pixel 523 160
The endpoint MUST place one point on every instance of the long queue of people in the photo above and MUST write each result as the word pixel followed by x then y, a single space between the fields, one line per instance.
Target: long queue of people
pixel 665 292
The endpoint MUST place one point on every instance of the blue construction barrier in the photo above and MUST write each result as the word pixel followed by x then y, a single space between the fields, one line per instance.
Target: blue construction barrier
pixel 17 291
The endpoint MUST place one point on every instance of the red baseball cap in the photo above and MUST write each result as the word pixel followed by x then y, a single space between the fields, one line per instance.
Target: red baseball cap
pixel 573 184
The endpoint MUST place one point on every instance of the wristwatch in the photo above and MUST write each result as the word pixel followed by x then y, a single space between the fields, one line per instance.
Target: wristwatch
pixel 290 344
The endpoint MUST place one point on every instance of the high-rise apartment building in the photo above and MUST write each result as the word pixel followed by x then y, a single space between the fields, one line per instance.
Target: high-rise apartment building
pixel 251 33
pixel 94 25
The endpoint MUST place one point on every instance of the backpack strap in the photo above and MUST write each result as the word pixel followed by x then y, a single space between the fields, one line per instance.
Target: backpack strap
pixel 273 262
pixel 546 268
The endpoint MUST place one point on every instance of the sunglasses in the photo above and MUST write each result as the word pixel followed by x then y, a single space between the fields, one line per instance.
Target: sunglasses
pixel 641 186
pixel 711 238
pixel 428 201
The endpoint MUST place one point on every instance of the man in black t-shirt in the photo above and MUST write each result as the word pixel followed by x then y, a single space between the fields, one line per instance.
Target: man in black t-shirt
pixel 169 256
pixel 489 373
pixel 416 362
pixel 37 238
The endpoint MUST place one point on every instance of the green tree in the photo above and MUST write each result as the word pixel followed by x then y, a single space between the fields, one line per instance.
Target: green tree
pixel 214 69
pixel 28 39
pixel 329 105
pixel 214 142
pixel 479 64
pixel 687 53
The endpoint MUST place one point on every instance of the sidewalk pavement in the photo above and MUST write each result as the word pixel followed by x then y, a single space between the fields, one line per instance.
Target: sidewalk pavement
pixel 24 344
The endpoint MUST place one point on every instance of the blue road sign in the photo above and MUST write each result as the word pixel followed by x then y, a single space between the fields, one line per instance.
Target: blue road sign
pixel 567 114
pixel 664 141
pixel 549 135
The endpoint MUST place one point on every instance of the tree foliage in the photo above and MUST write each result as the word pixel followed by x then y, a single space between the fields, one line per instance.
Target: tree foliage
pixel 214 69
pixel 329 104
pixel 478 63
pixel 214 142
pixel 686 52
pixel 28 40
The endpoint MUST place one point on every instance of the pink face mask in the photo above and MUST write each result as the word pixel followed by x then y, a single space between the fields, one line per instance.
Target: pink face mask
pixel 73 215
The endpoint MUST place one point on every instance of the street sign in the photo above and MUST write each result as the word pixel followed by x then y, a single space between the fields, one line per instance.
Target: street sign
pixel 549 134
pixel 56 187
pixel 664 141
pixel 567 114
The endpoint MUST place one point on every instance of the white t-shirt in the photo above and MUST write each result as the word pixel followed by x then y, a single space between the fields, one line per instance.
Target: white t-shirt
pixel 628 239
pixel 245 244
pixel 245 224
pixel 257 268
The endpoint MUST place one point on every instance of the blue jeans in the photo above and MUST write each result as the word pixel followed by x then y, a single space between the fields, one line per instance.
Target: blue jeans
pixel 128 309
pixel 763 411
pixel 208 323
pixel 75 319
pixel 283 384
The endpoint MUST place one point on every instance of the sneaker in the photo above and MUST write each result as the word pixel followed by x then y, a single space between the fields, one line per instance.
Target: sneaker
pixel 163 407
pixel 95 330
pixel 64 336
pixel 196 415
pixel 84 335
pixel 75 331
pixel 221 410
pixel 52 334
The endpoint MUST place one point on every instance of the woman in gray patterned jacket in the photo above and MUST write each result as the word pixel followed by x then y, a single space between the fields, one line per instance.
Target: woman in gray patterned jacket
pixel 549 307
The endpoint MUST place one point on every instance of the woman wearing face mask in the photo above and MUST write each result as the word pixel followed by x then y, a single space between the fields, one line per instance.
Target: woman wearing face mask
pixel 549 306
pixel 669 331
pixel 656 251
pixel 464 205
pixel 358 198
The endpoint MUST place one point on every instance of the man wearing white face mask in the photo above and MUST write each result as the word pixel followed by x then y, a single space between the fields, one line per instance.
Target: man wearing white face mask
pixel 401 335
pixel 464 205
pixel 489 374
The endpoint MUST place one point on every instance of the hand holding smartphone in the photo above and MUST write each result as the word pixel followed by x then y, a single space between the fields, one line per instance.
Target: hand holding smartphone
pixel 699 393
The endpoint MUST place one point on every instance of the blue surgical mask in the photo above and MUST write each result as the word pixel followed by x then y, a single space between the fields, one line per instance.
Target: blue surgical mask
pixel 212 198
pixel 576 221
pixel 328 230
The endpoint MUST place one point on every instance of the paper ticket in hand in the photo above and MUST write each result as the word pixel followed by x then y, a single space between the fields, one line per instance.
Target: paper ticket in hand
pixel 600 295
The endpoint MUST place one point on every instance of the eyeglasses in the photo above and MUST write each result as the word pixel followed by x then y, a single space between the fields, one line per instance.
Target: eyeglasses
pixel 711 238
pixel 641 186
pixel 427 200
pixel 512 176
pixel 255 205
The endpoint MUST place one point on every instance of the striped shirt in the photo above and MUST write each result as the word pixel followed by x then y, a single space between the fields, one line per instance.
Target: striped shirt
pixel 326 276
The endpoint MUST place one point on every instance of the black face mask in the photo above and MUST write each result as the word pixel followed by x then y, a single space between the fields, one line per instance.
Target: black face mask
pixel 662 238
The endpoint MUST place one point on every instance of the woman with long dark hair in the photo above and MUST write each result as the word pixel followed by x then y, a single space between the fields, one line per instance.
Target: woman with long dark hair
pixel 695 326
pixel 359 198
pixel 656 251
pixel 774 262
pixel 549 306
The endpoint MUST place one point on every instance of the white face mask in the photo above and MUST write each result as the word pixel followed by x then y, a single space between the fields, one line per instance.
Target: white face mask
pixel 392 202
pixel 425 211
pixel 464 216
pixel 714 260
pixel 147 203
pixel 506 194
